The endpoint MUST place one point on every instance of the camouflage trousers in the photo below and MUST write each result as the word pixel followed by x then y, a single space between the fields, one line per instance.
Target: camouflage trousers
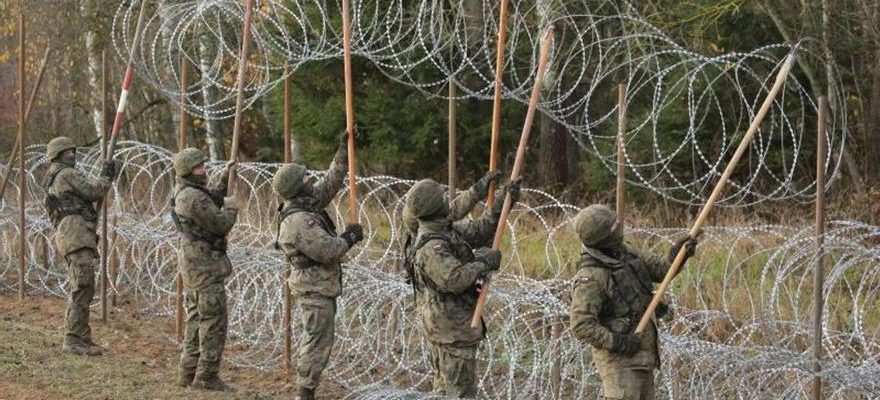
pixel 81 291
pixel 206 325
pixel 455 370
pixel 318 324
pixel 627 384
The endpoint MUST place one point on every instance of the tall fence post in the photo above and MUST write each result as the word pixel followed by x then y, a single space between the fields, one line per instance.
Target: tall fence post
pixel 104 230
pixel 22 175
pixel 819 273
pixel 181 144
pixel 453 142
pixel 621 162
pixel 288 299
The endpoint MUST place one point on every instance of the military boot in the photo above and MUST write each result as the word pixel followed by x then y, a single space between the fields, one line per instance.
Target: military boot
pixel 185 377
pixel 93 347
pixel 79 348
pixel 305 394
pixel 210 381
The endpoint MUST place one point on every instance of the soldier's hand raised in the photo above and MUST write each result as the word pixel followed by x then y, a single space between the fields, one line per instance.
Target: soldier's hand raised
pixel 353 233
pixel 491 258
pixel 690 245
pixel 481 187
pixel 110 169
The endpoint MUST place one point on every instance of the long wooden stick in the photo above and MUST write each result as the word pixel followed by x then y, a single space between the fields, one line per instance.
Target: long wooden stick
pixel 819 273
pixel 349 113
pixel 621 163
pixel 104 230
pixel 453 142
pixel 517 167
pixel 22 177
pixel 27 115
pixel 288 298
pixel 496 105
pixel 239 95
pixel 179 325
pixel 126 83
pixel 716 193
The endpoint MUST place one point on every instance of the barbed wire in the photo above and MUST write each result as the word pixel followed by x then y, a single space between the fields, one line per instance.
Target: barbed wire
pixel 739 328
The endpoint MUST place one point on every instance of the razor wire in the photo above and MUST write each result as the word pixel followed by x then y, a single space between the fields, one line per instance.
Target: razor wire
pixel 703 101
pixel 739 326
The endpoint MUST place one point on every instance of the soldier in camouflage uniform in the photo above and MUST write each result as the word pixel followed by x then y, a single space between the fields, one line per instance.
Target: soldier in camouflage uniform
pixel 446 271
pixel 459 208
pixel 203 216
pixel 70 198
pixel 307 235
pixel 612 289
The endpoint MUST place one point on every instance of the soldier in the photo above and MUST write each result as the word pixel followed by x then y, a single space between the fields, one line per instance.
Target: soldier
pixel 307 235
pixel 70 198
pixel 612 289
pixel 446 274
pixel 203 216
pixel 458 209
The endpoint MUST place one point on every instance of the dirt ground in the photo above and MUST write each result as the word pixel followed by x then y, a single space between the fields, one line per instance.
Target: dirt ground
pixel 140 361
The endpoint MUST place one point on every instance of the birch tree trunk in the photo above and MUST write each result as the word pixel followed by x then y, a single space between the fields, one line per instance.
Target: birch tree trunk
pixel 88 10
pixel 212 128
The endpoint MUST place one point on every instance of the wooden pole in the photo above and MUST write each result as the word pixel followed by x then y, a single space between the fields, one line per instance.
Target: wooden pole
pixel 716 193
pixel 517 167
pixel 556 370
pixel 288 298
pixel 27 115
pixel 453 142
pixel 104 230
pixel 114 261
pixel 621 162
pixel 239 87
pixel 181 144
pixel 349 113
pixel 496 105
pixel 22 176
pixel 819 273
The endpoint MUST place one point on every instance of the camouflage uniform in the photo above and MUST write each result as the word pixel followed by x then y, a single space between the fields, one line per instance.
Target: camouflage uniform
pixel 612 289
pixel 203 219
pixel 307 236
pixel 70 197
pixel 446 274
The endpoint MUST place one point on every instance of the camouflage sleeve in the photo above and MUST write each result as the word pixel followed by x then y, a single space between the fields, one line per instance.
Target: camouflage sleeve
pixel 462 204
pixel 219 184
pixel 657 265
pixel 587 298
pixel 325 189
pixel 307 236
pixel 446 272
pixel 477 232
pixel 205 213
pixel 86 187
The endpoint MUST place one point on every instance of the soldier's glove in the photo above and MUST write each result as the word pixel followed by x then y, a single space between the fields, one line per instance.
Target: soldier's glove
pixel 481 187
pixel 513 189
pixel 690 247
pixel 110 169
pixel 626 345
pixel 230 203
pixel 353 233
pixel 490 258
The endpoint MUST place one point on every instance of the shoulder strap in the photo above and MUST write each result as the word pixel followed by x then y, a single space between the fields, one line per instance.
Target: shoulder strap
pixel 50 177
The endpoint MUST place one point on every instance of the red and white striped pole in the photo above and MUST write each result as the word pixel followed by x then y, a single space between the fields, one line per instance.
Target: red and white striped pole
pixel 126 83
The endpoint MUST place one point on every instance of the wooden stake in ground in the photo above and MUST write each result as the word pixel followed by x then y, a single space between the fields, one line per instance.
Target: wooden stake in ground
pixel 496 105
pixel 22 176
pixel 819 272
pixel 453 142
pixel 288 298
pixel 349 112
pixel 517 167
pixel 621 162
pixel 104 230
pixel 239 94
pixel 27 115
pixel 719 188
pixel 181 144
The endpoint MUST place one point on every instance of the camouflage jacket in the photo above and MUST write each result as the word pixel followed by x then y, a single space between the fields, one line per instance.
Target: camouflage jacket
pixel 609 296
pixel 446 277
pixel 76 226
pixel 203 263
pixel 308 237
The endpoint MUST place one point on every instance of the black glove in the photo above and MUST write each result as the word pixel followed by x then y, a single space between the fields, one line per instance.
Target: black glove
pixel 110 169
pixel 481 187
pixel 626 345
pixel 492 258
pixel 513 189
pixel 353 233
pixel 690 246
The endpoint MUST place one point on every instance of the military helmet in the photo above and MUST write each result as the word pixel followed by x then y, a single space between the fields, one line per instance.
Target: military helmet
pixel 288 181
pixel 597 227
pixel 187 160
pixel 410 223
pixel 57 146
pixel 427 198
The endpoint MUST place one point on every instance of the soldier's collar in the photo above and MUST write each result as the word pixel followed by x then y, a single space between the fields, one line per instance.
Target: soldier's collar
pixel 603 258
pixel 436 226
pixel 302 202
